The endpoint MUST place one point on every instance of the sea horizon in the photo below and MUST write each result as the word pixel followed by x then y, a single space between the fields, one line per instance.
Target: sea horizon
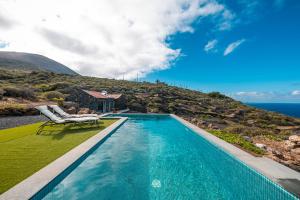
pixel 290 109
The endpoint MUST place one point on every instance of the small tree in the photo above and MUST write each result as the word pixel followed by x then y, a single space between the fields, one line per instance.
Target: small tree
pixel 54 95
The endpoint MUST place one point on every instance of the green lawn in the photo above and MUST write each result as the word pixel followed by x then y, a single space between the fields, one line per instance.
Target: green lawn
pixel 22 152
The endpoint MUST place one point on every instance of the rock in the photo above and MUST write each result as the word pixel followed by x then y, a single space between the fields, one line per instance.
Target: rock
pixel 295 151
pixel 251 121
pixel 212 126
pixel 247 138
pixel 194 120
pixel 261 146
pixel 278 154
pixel 288 145
pixel 240 112
pixel 201 123
pixel 71 110
pixel 269 149
pixel 287 157
pixel 232 115
pixel 294 138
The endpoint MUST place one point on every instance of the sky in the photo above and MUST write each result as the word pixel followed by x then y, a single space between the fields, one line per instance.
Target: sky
pixel 246 49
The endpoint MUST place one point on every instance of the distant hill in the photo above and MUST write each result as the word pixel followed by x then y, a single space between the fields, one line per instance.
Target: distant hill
pixel 32 62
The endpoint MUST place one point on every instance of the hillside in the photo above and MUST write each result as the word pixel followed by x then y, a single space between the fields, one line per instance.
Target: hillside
pixel 31 62
pixel 230 120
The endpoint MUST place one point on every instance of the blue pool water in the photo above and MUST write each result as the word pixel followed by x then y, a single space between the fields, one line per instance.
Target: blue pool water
pixel 156 157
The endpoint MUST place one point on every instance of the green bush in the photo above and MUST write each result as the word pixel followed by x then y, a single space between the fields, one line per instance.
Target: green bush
pixel 43 87
pixel 217 95
pixel 237 140
pixel 54 95
pixel 137 107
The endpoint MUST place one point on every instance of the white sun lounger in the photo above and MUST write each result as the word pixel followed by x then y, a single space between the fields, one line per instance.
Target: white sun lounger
pixel 54 119
pixel 63 114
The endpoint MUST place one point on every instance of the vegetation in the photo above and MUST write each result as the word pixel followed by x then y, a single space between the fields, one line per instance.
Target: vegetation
pixel 54 95
pixel 22 152
pixel 210 111
pixel 25 93
pixel 237 140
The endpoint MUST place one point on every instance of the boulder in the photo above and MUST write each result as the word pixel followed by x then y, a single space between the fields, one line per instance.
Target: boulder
pixel 194 120
pixel 288 145
pixel 201 123
pixel 261 146
pixel 251 121
pixel 213 126
pixel 247 138
pixel 278 154
pixel 232 115
pixel 269 149
pixel 295 153
pixel 294 138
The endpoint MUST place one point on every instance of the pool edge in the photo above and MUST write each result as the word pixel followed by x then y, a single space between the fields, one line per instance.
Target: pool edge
pixel 267 167
pixel 37 181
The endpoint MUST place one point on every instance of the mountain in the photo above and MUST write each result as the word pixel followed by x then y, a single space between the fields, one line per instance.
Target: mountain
pixel 32 62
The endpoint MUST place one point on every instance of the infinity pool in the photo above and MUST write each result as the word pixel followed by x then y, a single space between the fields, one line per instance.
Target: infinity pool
pixel 157 157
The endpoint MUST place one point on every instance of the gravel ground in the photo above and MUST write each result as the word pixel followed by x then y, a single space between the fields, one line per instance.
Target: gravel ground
pixel 10 122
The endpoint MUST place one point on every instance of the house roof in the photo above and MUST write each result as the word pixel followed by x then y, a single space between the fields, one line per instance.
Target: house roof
pixel 99 95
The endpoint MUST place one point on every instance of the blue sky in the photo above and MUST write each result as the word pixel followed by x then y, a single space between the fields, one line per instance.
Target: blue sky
pixel 247 49
pixel 263 68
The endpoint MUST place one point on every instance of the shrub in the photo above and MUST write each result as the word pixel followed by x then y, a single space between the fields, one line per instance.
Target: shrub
pixel 1 93
pixel 237 140
pixel 137 107
pixel 26 93
pixel 16 109
pixel 54 95
pixel 60 85
pixel 44 87
pixel 217 95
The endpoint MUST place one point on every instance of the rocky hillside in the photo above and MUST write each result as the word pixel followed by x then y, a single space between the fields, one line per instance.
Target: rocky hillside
pixel 254 130
pixel 30 62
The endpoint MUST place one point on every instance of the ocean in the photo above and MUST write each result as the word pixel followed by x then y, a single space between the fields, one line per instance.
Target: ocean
pixel 291 109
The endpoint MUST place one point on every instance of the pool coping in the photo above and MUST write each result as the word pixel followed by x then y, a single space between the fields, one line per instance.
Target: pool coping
pixel 34 183
pixel 266 166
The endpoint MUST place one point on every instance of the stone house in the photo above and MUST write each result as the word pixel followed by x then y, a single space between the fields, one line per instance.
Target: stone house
pixel 100 102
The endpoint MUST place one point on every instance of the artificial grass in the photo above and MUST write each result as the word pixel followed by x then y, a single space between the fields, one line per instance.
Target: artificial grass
pixel 22 152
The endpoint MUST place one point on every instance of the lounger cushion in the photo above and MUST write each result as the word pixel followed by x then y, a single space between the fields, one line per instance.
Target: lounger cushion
pixel 62 113
pixel 82 119
pixel 44 110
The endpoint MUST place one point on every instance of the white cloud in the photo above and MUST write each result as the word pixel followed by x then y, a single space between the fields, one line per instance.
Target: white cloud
pixel 210 46
pixel 231 47
pixel 267 96
pixel 296 93
pixel 3 44
pixel 250 94
pixel 108 38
